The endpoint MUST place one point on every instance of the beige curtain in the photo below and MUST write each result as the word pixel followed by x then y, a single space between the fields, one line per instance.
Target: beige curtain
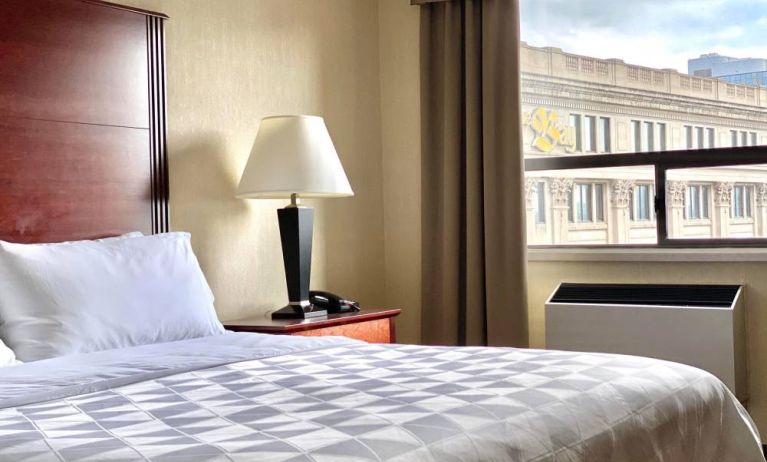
pixel 473 219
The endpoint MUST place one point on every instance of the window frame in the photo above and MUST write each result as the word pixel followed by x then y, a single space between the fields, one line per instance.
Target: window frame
pixel 661 161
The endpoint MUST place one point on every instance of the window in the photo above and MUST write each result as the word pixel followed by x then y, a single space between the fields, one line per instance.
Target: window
pixel 590 134
pixel 604 134
pixel 696 202
pixel 662 136
pixel 587 203
pixel 636 135
pixel 540 202
pixel 688 136
pixel 575 123
pixel 641 200
pixel 644 107
pixel 741 201
pixel 649 135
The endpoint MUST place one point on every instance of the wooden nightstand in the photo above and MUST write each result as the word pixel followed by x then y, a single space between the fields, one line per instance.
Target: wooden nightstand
pixel 374 326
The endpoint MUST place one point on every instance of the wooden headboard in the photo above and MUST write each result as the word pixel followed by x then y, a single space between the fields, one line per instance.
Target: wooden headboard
pixel 82 120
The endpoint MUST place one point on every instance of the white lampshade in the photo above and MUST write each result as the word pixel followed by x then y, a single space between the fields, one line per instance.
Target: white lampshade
pixel 293 155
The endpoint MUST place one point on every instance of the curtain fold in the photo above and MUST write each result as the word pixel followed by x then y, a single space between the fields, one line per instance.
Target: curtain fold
pixel 474 250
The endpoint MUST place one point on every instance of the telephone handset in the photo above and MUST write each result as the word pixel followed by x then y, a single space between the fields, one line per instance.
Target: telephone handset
pixel 332 303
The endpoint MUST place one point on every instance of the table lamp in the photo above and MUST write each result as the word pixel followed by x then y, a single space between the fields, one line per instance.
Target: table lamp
pixel 294 157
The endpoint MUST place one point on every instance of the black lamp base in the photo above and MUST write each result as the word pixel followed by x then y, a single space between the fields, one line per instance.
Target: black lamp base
pixel 294 312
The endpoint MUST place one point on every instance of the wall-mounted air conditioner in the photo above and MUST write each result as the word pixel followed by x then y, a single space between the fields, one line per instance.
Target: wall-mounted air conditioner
pixel 699 325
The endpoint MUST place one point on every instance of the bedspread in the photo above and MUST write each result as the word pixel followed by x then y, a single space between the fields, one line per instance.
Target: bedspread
pixel 250 397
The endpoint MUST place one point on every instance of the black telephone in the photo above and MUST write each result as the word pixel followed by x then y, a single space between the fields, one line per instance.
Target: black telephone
pixel 332 303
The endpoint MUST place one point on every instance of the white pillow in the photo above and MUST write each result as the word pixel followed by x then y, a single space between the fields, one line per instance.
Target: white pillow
pixel 7 356
pixel 78 297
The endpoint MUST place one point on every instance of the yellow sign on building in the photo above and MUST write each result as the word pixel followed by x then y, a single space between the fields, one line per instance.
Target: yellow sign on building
pixel 550 131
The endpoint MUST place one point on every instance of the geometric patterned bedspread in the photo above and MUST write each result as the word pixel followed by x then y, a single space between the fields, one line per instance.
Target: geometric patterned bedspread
pixel 397 403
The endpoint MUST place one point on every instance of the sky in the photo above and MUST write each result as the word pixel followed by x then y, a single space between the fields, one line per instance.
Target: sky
pixel 653 33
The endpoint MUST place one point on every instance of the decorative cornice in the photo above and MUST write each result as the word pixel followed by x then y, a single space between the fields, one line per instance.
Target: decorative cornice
pixel 675 192
pixel 561 93
pixel 560 191
pixel 621 192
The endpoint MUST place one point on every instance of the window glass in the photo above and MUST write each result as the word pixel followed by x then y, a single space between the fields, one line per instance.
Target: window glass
pixel 604 135
pixel 688 136
pixel 636 136
pixel 540 202
pixel 715 202
pixel 649 135
pixel 575 123
pixel 589 134
pixel 710 138
pixel 662 136
pixel 620 77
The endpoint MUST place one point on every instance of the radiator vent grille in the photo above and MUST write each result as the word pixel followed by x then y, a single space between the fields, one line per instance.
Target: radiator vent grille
pixel 720 296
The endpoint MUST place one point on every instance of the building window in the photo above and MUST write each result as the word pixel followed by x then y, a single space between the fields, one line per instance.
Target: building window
pixel 710 138
pixel 662 136
pixel 696 202
pixel 587 203
pixel 753 138
pixel 540 202
pixel 734 138
pixel 590 134
pixel 575 122
pixel 636 136
pixel 741 201
pixel 604 134
pixel 744 138
pixel 699 137
pixel 688 136
pixel 640 208
pixel 649 135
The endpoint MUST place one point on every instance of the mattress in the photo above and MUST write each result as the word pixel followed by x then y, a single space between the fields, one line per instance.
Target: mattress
pixel 252 397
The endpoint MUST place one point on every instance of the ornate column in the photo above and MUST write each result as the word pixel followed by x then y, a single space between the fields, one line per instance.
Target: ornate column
pixel 675 191
pixel 531 200
pixel 720 220
pixel 560 195
pixel 760 214
pixel 618 224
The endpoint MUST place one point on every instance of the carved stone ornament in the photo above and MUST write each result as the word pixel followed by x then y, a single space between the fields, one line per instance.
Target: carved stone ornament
pixel 621 192
pixel 531 192
pixel 761 194
pixel 723 193
pixel 675 191
pixel 560 191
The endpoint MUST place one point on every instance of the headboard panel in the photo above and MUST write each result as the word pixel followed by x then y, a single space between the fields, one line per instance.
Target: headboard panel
pixel 83 150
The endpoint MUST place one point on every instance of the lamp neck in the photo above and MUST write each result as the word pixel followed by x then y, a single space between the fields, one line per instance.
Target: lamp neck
pixel 294 201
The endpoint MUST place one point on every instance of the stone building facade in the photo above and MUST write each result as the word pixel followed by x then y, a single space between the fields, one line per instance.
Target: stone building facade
pixel 575 105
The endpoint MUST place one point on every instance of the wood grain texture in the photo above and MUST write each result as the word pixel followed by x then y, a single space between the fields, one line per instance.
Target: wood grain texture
pixel 82 121
pixel 377 331
pixel 61 181
pixel 73 61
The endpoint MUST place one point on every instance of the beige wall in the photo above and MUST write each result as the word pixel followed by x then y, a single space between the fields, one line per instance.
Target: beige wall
pixel 229 64
pixel 544 277
pixel 401 137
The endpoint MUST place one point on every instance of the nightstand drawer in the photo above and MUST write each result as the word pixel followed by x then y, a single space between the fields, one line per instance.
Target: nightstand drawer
pixel 373 326
pixel 377 331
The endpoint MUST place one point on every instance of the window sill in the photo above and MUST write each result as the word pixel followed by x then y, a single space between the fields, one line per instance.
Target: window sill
pixel 649 255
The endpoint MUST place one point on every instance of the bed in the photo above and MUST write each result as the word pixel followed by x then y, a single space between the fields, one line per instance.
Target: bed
pixel 85 157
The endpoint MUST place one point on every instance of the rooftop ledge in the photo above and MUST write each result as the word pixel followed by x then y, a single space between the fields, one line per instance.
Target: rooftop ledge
pixel 724 254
